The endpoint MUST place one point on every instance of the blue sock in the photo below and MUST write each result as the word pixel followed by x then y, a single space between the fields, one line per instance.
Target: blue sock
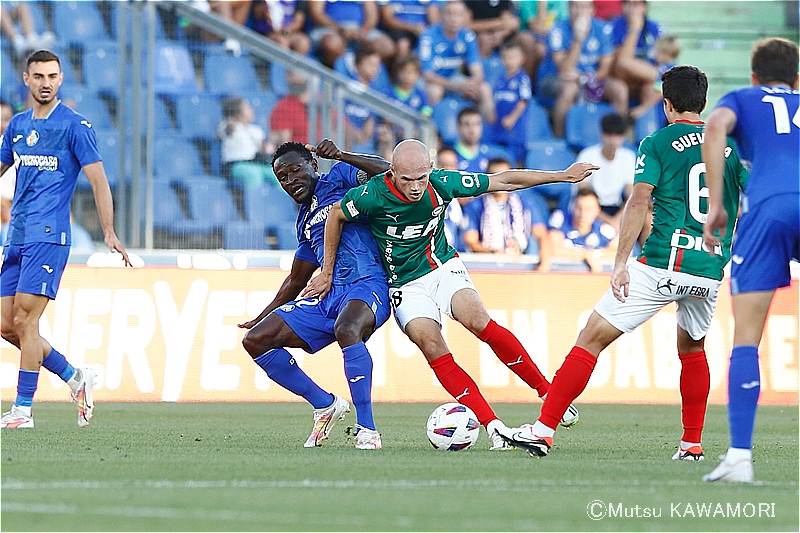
pixel 58 365
pixel 744 386
pixel 281 368
pixel 358 370
pixel 26 387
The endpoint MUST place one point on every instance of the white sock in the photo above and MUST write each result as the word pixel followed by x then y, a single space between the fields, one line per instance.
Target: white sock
pixel 540 430
pixel 735 455
pixel 686 445
pixel 24 409
pixel 494 424
pixel 75 381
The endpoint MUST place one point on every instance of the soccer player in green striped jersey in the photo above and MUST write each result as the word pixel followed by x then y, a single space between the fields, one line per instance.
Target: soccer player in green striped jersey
pixel 674 265
pixel 405 208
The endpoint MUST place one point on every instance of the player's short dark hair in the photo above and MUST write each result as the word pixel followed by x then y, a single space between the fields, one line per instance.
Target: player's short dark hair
pixel 612 124
pixel 775 60
pixel 497 161
pixel 42 56
pixel 686 87
pixel 292 146
pixel 467 111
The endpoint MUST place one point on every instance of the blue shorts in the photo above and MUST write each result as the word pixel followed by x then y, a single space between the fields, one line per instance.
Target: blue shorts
pixel 767 238
pixel 313 320
pixel 33 268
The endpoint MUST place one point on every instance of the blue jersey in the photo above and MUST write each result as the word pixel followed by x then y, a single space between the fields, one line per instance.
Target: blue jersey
pixel 596 45
pixel 358 255
pixel 645 48
pixel 599 236
pixel 506 94
pixel 767 133
pixel 345 12
pixel 48 154
pixel 409 11
pixel 446 57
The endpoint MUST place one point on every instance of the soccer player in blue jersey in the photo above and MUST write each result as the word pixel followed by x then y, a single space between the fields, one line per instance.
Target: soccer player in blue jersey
pixel 358 303
pixel 48 145
pixel 765 121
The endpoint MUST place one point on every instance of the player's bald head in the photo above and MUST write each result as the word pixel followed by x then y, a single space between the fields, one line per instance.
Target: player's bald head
pixel 411 153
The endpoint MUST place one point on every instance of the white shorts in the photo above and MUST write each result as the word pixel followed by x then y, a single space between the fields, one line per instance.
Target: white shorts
pixel 653 288
pixel 430 295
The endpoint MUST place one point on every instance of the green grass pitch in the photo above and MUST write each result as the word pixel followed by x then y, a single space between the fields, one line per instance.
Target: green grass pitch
pixel 242 467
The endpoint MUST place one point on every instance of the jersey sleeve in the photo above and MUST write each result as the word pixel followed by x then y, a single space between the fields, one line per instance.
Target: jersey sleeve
pixel 604 36
pixel 736 167
pixel 731 101
pixel 306 253
pixel 349 174
pixel 425 51
pixel 557 40
pixel 472 212
pixel 6 156
pixel 473 53
pixel 648 167
pixel 84 143
pixel 357 202
pixel 525 89
pixel 458 183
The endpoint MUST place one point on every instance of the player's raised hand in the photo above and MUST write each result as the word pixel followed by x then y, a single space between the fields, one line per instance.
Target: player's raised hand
pixel 326 149
pixel 717 219
pixel 318 286
pixel 579 171
pixel 620 282
pixel 115 246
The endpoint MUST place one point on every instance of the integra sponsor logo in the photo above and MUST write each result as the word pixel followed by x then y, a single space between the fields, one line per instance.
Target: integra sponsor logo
pixel 41 162
pixel 319 216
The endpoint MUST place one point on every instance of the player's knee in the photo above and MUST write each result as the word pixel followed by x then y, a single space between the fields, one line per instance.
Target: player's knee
pixel 432 348
pixel 8 333
pixel 256 344
pixel 348 334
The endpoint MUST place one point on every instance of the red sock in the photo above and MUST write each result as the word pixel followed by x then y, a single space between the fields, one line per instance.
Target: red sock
pixel 511 352
pixel 461 387
pixel 568 384
pixel 695 384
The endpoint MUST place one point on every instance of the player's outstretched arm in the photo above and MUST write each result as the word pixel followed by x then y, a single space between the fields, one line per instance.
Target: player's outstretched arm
pixel 105 207
pixel 298 277
pixel 513 179
pixel 633 219
pixel 371 164
pixel 320 285
pixel 719 124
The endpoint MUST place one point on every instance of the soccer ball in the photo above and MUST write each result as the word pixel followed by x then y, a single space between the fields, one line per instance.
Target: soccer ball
pixel 453 427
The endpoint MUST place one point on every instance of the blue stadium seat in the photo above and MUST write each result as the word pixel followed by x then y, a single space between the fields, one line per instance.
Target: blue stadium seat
pixel 244 236
pixel 549 155
pixel 286 233
pixel 496 151
pixel 211 205
pixel 95 110
pixel 77 23
pixel 37 14
pixel 538 127
pixel 230 75
pixel 493 69
pixel 108 146
pixel 167 211
pixel 101 69
pixel 262 103
pixel 651 121
pixel 269 206
pixel 198 116
pixel 160 114
pixel 160 34
pixel 9 78
pixel 174 69
pixel 277 79
pixel 583 123
pixel 175 157
pixel 445 115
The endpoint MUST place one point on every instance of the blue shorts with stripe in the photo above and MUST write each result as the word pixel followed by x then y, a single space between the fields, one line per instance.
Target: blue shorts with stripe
pixel 767 238
pixel 33 268
pixel 313 320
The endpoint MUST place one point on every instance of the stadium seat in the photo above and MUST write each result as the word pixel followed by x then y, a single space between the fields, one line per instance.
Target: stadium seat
pixel 583 124
pixel 101 69
pixel 175 157
pixel 167 211
pixel 286 234
pixel 496 151
pixel 9 78
pixel 445 115
pixel 160 114
pixel 244 236
pixel 95 110
pixel 277 79
pixel 160 34
pixel 549 155
pixel 39 19
pixel 651 121
pixel 77 23
pixel 198 116
pixel 230 75
pixel 269 206
pixel 174 69
pixel 210 203
pixel 262 103
pixel 538 127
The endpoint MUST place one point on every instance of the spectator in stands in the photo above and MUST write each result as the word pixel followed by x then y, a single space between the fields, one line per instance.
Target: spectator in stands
pixel 446 51
pixel 613 183
pixel 289 118
pixel 582 51
pixel 281 21
pixel 245 154
pixel 581 234
pixel 338 24
pixel 9 178
pixel 668 48
pixel 473 155
pixel 455 222
pixel 25 38
pixel 493 21
pixel 634 37
pixel 536 19
pixel 405 20
pixel 236 11
pixel 511 94
pixel 406 74
pixel 498 221
pixel 361 121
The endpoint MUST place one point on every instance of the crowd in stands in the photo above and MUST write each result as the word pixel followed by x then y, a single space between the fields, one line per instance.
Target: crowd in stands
pixel 511 75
